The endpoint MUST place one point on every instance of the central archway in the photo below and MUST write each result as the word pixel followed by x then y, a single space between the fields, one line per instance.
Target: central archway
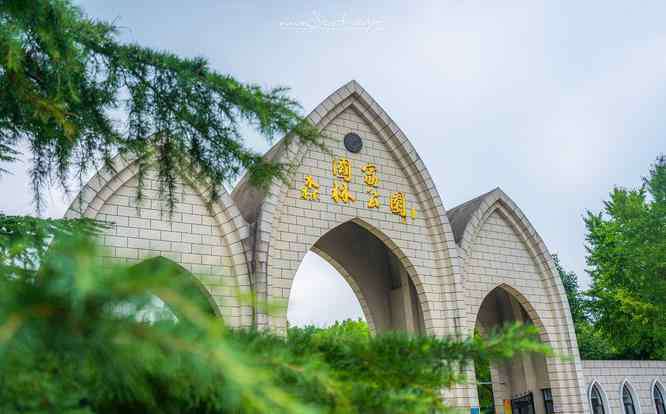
pixel 523 381
pixel 376 274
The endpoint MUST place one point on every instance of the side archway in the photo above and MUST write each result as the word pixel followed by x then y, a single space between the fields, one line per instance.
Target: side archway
pixel 524 380
pixel 499 246
pixel 204 238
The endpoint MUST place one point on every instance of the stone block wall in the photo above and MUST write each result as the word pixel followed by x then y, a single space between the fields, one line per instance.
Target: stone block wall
pixel 203 239
pixel 289 226
pixel 642 376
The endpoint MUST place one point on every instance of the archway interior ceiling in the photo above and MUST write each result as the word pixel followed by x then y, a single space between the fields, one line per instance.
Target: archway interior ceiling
pixel 500 308
pixel 383 283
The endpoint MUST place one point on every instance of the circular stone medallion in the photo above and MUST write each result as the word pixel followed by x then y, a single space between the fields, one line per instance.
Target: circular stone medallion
pixel 353 142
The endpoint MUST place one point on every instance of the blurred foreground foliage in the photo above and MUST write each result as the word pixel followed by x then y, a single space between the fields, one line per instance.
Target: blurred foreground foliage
pixel 68 343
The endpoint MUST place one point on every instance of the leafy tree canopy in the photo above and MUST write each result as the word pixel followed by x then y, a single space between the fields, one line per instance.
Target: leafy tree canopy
pixel 75 96
pixel 575 297
pixel 626 245
pixel 591 343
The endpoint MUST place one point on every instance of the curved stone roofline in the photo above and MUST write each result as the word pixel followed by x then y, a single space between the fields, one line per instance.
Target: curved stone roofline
pixel 104 184
pixel 101 186
pixel 477 210
pixel 369 109
pixel 264 206
pixel 460 215
pixel 497 200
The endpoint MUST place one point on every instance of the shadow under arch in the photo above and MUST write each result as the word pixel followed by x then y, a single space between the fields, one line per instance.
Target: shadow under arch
pixel 369 318
pixel 533 316
pixel 382 276
pixel 523 380
pixel 187 285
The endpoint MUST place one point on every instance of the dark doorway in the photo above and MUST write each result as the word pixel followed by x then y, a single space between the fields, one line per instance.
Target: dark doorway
pixel 523 404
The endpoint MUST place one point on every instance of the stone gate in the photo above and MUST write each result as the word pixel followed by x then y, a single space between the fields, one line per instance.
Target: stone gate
pixel 367 204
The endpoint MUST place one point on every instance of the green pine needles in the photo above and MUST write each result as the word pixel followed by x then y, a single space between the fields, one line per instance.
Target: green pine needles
pixel 75 96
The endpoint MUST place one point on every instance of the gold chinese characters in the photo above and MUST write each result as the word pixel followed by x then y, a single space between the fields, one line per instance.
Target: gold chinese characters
pixel 341 193
pixel 342 169
pixel 370 171
pixel 398 206
pixel 371 181
pixel 373 201
pixel 310 190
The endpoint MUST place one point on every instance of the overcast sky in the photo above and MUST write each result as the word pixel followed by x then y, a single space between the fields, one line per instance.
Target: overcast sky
pixel 555 103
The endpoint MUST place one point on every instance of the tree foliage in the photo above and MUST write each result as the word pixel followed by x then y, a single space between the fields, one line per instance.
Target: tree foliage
pixel 484 386
pixel 575 297
pixel 75 96
pixel 68 344
pixel 626 245
pixel 591 343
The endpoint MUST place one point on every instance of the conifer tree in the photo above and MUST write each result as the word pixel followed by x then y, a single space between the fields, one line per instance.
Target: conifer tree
pixel 74 95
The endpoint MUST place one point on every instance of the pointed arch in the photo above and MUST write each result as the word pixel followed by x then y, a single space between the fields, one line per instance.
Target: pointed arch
pixel 362 294
pixel 658 386
pixel 536 278
pixel 227 219
pixel 189 285
pixel 267 207
pixel 289 151
pixel 595 385
pixel 496 201
pixel 626 384
pixel 526 305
